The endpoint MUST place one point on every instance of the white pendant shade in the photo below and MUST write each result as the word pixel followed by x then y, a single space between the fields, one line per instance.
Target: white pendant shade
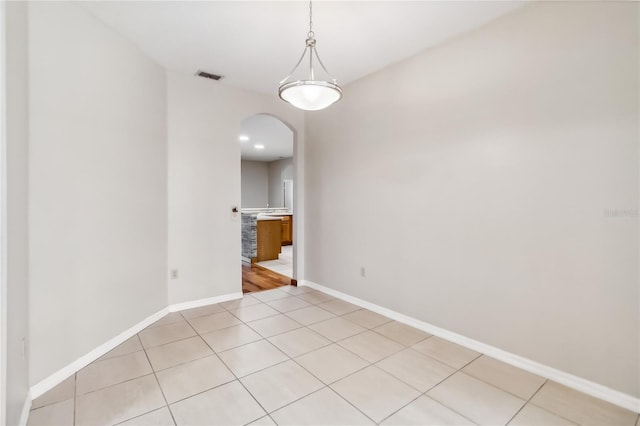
pixel 310 95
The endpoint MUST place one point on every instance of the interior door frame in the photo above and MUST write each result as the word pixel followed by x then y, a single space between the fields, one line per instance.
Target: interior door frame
pixel 298 195
pixel 3 217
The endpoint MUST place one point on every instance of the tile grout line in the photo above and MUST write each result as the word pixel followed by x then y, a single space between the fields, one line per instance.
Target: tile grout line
pixel 279 363
pixel 160 387
pixel 290 358
pixel 526 402
pixel 232 372
pixel 543 408
pixel 328 386
pixel 303 353
pixel 153 370
pixel 324 385
pixel 369 363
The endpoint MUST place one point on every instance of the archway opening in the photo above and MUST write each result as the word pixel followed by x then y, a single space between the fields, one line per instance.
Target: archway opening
pixel 267 202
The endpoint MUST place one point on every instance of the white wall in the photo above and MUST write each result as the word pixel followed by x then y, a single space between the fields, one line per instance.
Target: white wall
pixel 279 170
pixel 204 181
pixel 254 183
pixel 98 185
pixel 475 183
pixel 16 153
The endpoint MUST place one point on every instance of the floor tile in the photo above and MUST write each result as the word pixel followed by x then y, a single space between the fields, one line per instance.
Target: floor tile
pixel 280 385
pixel 366 318
pixel 290 303
pixel 287 272
pixel 375 392
pixel 263 421
pixel 315 297
pixel 229 404
pixel 127 347
pixel 196 376
pixel 401 333
pixel 298 342
pixel 60 413
pixel 331 363
pixel 338 307
pixel 310 315
pixel 105 373
pixel 445 351
pixel 323 407
pixel 371 346
pixel 276 324
pixel 337 328
pixel 254 312
pixel 160 417
pixel 269 295
pixel 282 269
pixel 179 352
pixel 415 369
pixel 425 411
pixel 243 302
pixel 231 337
pixel 296 290
pixel 269 263
pixel 63 391
pixel 504 376
pixel 252 357
pixel 530 415
pixel 213 322
pixel 476 400
pixel 166 333
pixel 579 407
pixel 120 402
pixel 170 318
pixel 202 311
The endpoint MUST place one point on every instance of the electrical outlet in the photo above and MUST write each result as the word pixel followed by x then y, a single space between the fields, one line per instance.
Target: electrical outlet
pixel 362 272
pixel 174 274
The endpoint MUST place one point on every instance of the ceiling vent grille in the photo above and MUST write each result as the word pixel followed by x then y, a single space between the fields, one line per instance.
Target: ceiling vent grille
pixel 208 75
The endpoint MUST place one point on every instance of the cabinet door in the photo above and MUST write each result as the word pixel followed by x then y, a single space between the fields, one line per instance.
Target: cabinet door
pixel 269 239
pixel 287 230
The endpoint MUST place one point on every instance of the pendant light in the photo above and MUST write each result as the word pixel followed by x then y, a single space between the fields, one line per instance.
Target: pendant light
pixel 311 94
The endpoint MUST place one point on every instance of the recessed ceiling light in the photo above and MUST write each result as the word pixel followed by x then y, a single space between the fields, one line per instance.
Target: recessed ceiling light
pixel 243 138
pixel 258 146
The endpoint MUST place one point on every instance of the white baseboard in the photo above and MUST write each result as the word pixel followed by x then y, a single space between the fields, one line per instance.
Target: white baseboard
pixel 26 409
pixel 203 302
pixel 56 378
pixel 590 388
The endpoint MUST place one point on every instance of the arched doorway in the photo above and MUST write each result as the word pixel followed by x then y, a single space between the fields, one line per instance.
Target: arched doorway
pixel 268 202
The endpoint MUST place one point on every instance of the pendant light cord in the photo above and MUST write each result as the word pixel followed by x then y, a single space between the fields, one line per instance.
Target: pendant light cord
pixel 311 46
pixel 310 34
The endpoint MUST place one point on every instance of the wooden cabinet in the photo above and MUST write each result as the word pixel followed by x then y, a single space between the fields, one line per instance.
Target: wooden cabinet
pixel 269 234
pixel 287 230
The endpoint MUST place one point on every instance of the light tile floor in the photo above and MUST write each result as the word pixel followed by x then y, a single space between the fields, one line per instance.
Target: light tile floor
pixel 283 265
pixel 294 356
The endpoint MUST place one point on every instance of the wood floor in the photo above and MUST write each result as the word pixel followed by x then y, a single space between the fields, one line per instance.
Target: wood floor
pixel 257 278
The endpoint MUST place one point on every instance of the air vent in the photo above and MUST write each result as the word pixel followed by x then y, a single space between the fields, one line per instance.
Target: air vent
pixel 208 75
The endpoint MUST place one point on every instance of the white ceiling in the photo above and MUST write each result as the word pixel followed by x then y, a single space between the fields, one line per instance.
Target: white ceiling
pixel 269 132
pixel 255 44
